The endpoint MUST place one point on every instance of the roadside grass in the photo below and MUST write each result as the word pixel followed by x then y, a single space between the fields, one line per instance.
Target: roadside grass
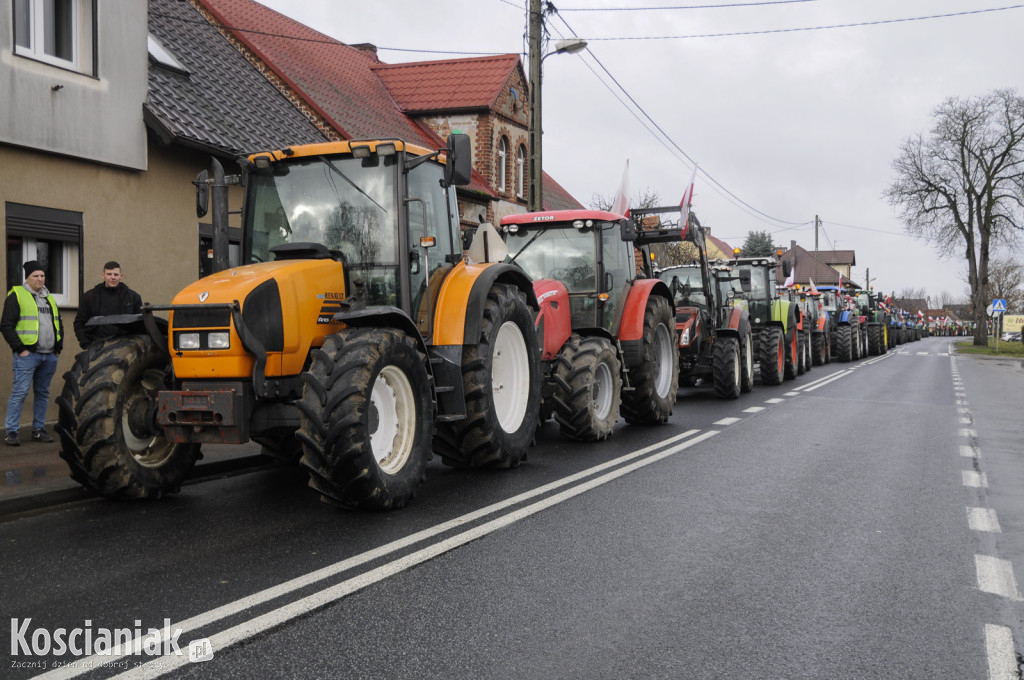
pixel 1006 349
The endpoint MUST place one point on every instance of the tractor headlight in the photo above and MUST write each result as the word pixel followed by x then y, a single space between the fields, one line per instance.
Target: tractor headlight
pixel 188 341
pixel 684 337
pixel 219 340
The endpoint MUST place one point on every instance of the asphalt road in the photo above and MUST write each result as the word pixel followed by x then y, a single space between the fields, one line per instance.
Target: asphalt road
pixel 844 530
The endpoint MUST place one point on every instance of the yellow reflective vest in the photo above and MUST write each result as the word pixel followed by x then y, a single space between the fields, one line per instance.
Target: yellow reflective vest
pixel 27 327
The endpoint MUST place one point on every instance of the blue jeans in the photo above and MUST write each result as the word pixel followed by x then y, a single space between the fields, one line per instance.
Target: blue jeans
pixel 36 370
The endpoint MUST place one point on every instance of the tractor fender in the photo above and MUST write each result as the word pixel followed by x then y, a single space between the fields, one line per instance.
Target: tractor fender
pixel 736 325
pixel 461 300
pixel 382 317
pixel 554 320
pixel 631 321
pixel 784 313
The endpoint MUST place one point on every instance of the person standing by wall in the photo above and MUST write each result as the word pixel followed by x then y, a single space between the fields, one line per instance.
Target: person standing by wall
pixel 31 325
pixel 111 296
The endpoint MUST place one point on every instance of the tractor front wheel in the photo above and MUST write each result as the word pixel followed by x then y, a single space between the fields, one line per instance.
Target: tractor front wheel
pixel 588 386
pixel 726 367
pixel 367 418
pixel 747 363
pixel 792 353
pixel 107 422
pixel 655 380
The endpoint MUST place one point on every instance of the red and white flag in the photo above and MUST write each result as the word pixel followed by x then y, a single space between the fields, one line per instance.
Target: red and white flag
pixel 684 205
pixel 791 279
pixel 840 284
pixel 814 291
pixel 620 206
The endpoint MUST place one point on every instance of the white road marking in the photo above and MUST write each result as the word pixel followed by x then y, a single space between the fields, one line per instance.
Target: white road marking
pixel 996 576
pixel 965 421
pixel 277 617
pixel 753 409
pixel 922 354
pixel 1002 657
pixel 983 519
pixel 727 421
pixel 969 451
pixel 975 479
pixel 791 394
pixel 967 432
pixel 775 400
pixel 829 379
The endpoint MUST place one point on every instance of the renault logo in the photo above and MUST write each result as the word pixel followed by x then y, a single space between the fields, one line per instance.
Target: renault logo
pixel 202 296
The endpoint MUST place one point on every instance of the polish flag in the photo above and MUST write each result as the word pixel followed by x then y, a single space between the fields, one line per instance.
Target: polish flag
pixel 840 284
pixel 814 291
pixel 684 205
pixel 791 279
pixel 620 206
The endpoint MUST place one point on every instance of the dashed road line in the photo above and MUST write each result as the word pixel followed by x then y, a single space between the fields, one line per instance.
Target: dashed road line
pixel 968 451
pixel 974 479
pixel 983 519
pixel 753 409
pixel 1002 657
pixel 995 576
pixel 727 421
pixel 774 400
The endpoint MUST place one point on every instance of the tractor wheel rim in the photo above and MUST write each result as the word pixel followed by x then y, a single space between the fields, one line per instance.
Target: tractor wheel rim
pixel 510 377
pixel 147 449
pixel 602 391
pixel 663 351
pixel 749 358
pixel 392 400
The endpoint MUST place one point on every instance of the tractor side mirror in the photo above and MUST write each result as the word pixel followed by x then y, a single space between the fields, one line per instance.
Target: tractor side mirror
pixel 787 268
pixel 628 230
pixel 458 160
pixel 202 183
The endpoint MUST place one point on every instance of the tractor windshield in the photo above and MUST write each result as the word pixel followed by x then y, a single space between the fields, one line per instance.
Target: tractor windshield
pixel 347 204
pixel 686 285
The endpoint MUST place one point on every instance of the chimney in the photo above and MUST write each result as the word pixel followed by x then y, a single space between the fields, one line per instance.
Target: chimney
pixel 368 48
pixel 792 245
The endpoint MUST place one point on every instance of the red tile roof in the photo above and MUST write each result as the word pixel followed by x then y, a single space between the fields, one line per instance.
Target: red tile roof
pixel 449 85
pixel 557 198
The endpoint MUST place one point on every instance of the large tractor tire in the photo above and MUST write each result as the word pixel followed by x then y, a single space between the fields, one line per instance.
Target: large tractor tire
pixel 746 363
pixel 655 380
pixel 588 387
pixel 859 343
pixel 804 362
pixel 502 383
pixel 726 367
pixel 772 353
pixel 819 349
pixel 844 343
pixel 107 425
pixel 874 340
pixel 792 353
pixel 367 419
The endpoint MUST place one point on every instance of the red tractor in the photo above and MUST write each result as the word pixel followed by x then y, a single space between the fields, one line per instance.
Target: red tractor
pixel 606 321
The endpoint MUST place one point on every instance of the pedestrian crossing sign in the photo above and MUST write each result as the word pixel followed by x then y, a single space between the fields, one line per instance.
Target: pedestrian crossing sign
pixel 998 305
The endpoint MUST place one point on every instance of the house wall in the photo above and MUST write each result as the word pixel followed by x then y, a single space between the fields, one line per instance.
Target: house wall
pixel 144 220
pixel 95 117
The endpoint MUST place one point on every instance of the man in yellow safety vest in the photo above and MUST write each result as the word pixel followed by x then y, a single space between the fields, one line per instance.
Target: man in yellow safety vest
pixel 31 325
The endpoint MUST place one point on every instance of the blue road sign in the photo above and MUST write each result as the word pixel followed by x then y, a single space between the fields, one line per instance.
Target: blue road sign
pixel 998 305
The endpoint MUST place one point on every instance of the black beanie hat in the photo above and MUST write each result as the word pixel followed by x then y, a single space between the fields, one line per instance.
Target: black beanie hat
pixel 32 266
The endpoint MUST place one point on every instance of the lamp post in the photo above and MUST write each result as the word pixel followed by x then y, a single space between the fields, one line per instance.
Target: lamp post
pixel 536 201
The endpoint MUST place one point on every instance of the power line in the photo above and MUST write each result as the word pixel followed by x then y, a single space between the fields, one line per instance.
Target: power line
pixel 877 22
pixel 650 9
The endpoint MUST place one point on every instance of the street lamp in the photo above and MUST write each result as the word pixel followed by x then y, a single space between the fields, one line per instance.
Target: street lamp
pixel 570 46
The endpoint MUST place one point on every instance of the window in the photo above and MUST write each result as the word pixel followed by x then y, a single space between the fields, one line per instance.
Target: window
pixel 50 236
pixel 521 172
pixel 59 32
pixel 502 163
pixel 206 248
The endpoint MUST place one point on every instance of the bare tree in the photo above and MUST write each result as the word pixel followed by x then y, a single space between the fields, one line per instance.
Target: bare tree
pixel 962 187
pixel 1006 279
pixel 648 198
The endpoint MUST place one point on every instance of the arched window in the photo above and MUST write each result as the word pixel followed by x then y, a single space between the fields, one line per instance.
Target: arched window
pixel 502 163
pixel 521 172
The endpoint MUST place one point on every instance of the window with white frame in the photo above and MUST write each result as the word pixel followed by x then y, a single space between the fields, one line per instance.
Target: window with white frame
pixel 58 32
pixel 521 172
pixel 502 163
pixel 50 236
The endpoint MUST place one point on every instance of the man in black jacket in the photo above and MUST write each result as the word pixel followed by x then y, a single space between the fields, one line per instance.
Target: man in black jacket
pixel 111 296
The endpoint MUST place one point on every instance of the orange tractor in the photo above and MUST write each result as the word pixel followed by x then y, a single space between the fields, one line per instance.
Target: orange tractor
pixel 356 337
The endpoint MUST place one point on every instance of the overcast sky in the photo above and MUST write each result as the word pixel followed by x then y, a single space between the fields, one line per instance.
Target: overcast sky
pixel 793 123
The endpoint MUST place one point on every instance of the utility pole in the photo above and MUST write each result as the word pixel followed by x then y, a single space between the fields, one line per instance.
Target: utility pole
pixel 536 25
pixel 816 223
pixel 867 277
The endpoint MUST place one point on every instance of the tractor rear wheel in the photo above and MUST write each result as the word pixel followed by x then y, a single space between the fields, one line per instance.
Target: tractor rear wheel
pixel 588 385
pixel 501 380
pixel 818 352
pixel 874 340
pixel 367 417
pixel 802 362
pixel 107 422
pixel 655 380
pixel 792 353
pixel 772 355
pixel 726 367
pixel 844 343
pixel 746 363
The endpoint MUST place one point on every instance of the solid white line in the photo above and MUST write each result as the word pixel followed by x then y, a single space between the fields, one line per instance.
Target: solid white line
pixel 983 519
pixel 727 421
pixel 1002 657
pixel 753 409
pixel 832 378
pixel 774 400
pixel 303 606
pixel 975 479
pixel 299 582
pixel 824 379
pixel 996 576
pixel 969 451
